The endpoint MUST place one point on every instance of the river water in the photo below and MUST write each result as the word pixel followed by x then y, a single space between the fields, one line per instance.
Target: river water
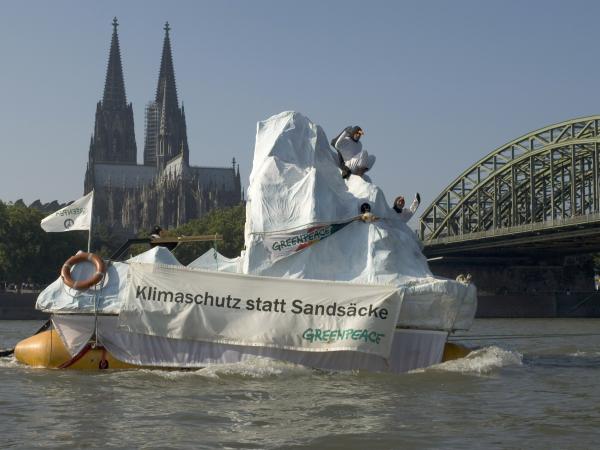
pixel 533 393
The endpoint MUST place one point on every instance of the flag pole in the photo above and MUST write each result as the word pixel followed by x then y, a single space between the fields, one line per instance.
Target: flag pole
pixel 91 222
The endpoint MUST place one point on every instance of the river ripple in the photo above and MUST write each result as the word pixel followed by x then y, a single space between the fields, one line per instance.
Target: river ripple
pixel 523 393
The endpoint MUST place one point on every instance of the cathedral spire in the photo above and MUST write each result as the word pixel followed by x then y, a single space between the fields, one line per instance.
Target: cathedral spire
pixel 113 138
pixel 163 114
pixel 163 139
pixel 166 76
pixel 114 88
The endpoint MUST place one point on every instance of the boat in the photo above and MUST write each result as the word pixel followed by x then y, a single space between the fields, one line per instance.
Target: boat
pixel 319 283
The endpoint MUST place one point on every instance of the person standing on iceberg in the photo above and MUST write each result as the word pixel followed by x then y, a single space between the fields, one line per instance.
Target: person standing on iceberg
pixel 406 214
pixel 353 159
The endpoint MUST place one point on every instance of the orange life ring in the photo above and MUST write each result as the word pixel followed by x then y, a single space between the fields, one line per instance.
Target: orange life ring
pixel 65 272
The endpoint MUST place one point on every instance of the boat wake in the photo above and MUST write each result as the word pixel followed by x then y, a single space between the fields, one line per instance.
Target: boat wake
pixel 581 359
pixel 9 361
pixel 582 354
pixel 481 361
pixel 255 368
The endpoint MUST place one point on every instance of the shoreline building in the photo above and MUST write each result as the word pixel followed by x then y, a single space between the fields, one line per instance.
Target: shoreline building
pixel 165 190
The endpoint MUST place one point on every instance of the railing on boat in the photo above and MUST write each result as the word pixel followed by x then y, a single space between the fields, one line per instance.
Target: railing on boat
pixel 164 241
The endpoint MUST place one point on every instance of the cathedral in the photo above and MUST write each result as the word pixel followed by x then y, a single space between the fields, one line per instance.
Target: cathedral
pixel 165 190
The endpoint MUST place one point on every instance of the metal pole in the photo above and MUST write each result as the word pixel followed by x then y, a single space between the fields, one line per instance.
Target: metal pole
pixel 573 200
pixel 495 204
pixel 532 190
pixel 562 191
pixel 552 212
pixel 595 180
pixel 582 183
pixel 479 224
pixel 91 223
pixel 513 191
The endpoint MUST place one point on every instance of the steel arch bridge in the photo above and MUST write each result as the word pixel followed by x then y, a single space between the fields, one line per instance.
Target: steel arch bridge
pixel 544 180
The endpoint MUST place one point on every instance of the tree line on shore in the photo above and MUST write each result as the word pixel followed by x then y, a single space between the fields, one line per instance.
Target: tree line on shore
pixel 30 255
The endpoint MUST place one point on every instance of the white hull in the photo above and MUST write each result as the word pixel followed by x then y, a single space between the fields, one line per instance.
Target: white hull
pixel 411 349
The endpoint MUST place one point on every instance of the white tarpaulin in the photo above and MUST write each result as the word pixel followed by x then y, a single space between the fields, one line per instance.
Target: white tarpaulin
pixel 74 330
pixel 285 243
pixel 227 308
pixel 213 260
pixel 411 349
pixel 105 298
pixel 76 216
pixel 295 182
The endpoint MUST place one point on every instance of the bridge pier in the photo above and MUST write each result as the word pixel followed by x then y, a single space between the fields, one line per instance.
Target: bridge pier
pixel 553 286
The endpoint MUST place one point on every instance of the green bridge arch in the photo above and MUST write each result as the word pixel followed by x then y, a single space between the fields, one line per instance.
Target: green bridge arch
pixel 545 178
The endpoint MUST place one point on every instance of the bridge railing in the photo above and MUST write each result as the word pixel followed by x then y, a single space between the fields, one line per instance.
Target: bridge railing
pixel 519 229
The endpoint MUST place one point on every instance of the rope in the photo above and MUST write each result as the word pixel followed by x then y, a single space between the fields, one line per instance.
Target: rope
pixel 97 293
pixel 302 227
pixel 365 217
pixel 50 353
pixel 95 316
pixel 215 252
pixel 484 337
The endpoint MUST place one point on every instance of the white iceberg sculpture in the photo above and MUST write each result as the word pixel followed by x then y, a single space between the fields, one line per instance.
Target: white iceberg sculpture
pixel 295 183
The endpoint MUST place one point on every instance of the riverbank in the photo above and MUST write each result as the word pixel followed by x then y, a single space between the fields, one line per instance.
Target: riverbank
pixel 15 306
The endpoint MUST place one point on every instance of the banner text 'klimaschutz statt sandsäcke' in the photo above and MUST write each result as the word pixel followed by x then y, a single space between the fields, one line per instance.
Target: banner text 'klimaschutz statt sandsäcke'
pixel 305 315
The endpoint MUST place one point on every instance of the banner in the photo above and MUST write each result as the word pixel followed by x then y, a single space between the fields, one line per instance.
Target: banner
pixel 320 316
pixel 282 244
pixel 76 216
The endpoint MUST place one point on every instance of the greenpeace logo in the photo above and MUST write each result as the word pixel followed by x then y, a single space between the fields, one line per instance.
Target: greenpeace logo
pixel 71 212
pixel 348 334
pixel 305 238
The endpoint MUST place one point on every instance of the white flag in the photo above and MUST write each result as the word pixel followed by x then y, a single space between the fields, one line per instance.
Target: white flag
pixel 76 216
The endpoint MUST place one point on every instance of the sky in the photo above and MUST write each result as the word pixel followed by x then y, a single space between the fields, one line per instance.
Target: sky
pixel 436 85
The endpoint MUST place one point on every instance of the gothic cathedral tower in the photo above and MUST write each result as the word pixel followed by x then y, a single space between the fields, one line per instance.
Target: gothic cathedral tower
pixel 165 189
pixel 166 133
pixel 113 140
